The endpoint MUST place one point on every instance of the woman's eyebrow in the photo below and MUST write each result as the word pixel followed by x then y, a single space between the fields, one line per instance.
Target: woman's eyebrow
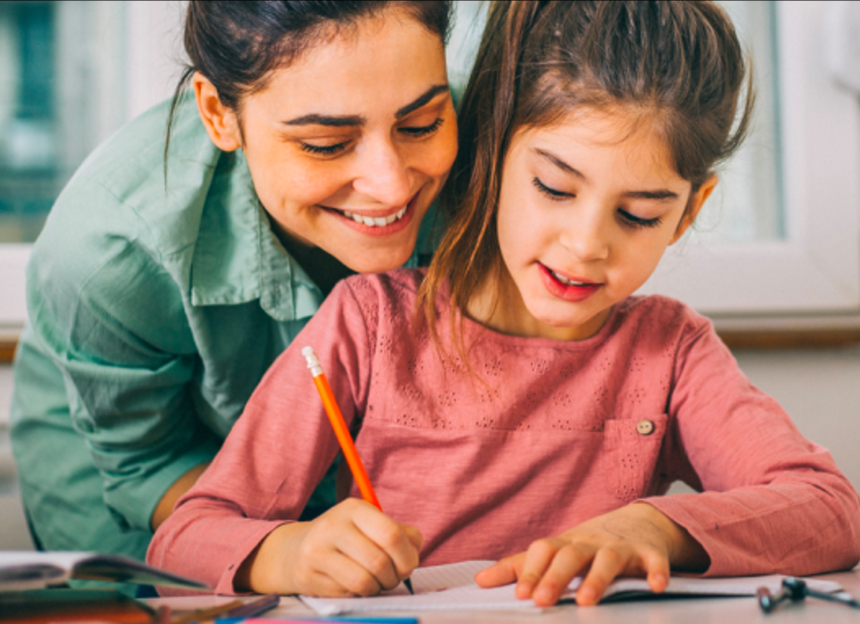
pixel 421 100
pixel 327 120
pixel 338 121
pixel 658 194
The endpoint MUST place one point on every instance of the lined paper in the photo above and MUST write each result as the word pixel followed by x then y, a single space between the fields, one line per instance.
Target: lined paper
pixel 451 587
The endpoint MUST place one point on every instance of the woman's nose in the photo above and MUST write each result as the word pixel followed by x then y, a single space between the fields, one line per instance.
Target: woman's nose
pixel 384 175
pixel 586 237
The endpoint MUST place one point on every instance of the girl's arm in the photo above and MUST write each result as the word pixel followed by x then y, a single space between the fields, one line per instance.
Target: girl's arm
pixel 773 501
pixel 237 529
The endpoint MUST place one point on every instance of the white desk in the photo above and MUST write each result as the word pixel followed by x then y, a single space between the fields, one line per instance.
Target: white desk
pixel 669 611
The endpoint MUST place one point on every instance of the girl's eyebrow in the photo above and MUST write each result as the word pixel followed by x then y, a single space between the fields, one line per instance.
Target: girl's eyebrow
pixel 658 194
pixel 338 121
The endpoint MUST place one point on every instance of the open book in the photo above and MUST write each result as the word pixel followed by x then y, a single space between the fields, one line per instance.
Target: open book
pixel 22 570
pixel 452 587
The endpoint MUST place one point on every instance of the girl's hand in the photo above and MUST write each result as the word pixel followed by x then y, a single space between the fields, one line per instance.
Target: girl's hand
pixel 636 540
pixel 352 549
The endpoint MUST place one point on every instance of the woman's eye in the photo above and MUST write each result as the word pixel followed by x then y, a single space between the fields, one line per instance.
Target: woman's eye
pixel 324 150
pixel 550 192
pixel 416 132
pixel 638 222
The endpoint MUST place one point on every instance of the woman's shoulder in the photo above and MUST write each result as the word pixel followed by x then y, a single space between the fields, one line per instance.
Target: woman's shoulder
pixel 133 158
pixel 119 201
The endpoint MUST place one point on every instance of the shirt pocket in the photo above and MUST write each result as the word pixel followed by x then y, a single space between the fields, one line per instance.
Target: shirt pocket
pixel 632 449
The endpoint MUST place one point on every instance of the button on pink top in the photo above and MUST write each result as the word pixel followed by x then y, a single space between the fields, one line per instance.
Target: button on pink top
pixel 540 435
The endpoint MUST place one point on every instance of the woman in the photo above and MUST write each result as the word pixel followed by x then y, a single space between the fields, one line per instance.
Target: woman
pixel 167 279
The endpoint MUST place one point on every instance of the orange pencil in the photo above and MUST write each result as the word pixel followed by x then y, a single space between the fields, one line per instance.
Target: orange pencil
pixel 341 432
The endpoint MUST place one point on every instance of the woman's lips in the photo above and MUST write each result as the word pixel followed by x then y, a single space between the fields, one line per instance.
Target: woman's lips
pixel 378 225
pixel 563 287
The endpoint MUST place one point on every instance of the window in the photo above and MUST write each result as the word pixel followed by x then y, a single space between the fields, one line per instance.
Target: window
pixel 808 266
pixel 781 245
pixel 71 73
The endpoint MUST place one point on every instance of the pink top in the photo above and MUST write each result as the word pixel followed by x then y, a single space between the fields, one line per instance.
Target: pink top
pixel 542 436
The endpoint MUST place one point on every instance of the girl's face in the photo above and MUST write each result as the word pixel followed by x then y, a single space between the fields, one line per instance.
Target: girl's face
pixel 586 210
pixel 349 145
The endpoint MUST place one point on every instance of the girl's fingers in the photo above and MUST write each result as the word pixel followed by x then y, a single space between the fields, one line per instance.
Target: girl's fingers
pixel 392 549
pixel 414 536
pixel 502 572
pixel 569 560
pixel 656 567
pixel 341 575
pixel 608 563
pixel 543 559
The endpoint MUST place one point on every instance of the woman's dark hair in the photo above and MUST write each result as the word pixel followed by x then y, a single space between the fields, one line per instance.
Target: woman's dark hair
pixel 237 44
pixel 676 65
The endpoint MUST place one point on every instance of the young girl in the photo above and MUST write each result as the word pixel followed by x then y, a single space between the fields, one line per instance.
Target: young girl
pixel 518 396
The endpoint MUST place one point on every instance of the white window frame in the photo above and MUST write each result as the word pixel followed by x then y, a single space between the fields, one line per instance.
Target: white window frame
pixel 812 278
pixel 809 280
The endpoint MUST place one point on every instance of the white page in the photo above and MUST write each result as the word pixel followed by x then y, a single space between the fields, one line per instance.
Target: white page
pixel 62 559
pixel 451 587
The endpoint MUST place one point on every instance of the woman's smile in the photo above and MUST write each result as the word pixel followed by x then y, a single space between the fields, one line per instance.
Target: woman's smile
pixel 377 223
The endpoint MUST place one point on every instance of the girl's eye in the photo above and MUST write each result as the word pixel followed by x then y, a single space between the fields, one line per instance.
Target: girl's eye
pixel 549 192
pixel 324 150
pixel 638 222
pixel 422 131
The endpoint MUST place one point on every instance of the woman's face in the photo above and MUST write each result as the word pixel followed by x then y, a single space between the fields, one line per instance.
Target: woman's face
pixel 349 145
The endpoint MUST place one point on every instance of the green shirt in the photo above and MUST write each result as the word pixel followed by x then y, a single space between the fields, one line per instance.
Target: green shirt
pixel 154 311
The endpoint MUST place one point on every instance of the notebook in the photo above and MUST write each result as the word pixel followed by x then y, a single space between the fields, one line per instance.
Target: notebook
pixel 23 570
pixel 452 587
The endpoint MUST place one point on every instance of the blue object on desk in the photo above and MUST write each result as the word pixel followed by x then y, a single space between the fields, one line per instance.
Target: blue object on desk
pixel 367 619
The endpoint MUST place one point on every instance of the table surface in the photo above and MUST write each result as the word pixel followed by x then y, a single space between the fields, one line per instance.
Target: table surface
pixel 660 611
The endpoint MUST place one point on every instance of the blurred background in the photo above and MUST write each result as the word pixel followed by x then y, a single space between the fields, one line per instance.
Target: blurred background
pixel 774 260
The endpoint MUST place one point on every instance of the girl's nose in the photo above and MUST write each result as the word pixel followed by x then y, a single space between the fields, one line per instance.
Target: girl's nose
pixel 586 237
pixel 384 175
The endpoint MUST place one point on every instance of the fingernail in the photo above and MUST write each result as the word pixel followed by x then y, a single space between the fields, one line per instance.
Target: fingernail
pixel 586 596
pixel 543 596
pixel 524 590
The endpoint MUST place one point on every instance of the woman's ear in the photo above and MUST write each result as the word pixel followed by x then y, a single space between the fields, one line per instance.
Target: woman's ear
pixel 220 121
pixel 693 207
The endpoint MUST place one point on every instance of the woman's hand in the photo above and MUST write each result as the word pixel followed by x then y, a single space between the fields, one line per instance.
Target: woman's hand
pixel 352 549
pixel 636 540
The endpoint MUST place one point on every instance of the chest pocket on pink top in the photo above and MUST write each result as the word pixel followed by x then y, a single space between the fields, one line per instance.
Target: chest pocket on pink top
pixel 632 448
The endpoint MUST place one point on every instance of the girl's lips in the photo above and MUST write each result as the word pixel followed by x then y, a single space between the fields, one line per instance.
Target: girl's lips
pixel 378 226
pixel 564 288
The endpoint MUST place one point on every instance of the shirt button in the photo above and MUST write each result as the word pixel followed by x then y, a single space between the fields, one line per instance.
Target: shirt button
pixel 645 427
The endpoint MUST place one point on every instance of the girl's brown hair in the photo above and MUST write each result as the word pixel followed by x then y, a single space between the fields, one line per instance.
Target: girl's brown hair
pixel 677 64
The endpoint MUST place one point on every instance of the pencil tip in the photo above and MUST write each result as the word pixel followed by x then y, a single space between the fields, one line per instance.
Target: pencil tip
pixel 408 583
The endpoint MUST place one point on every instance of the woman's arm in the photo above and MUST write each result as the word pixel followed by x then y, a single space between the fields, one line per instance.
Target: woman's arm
pixel 176 491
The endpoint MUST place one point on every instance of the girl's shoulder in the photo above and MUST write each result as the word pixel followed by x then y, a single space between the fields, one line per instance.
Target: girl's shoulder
pixel 658 317
pixel 393 288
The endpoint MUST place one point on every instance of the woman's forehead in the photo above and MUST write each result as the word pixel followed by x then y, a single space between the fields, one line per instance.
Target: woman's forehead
pixel 380 62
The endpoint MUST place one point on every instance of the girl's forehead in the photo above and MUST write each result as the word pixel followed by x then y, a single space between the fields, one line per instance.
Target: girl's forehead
pixel 613 142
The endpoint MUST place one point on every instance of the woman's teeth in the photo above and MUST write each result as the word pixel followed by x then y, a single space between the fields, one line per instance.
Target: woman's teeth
pixel 376 221
pixel 567 282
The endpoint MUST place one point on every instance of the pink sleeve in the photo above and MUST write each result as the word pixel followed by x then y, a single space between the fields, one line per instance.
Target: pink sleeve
pixel 276 453
pixel 772 500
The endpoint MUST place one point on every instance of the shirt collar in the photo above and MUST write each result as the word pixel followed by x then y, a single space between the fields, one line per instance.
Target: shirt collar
pixel 237 257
